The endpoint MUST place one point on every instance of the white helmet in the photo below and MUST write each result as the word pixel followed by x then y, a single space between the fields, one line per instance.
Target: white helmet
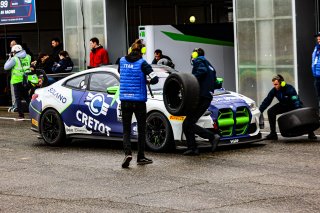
pixel 16 48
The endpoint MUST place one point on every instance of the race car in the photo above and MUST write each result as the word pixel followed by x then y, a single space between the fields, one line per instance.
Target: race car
pixel 86 105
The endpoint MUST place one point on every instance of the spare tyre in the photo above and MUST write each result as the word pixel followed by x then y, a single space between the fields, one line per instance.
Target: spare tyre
pixel 180 93
pixel 298 122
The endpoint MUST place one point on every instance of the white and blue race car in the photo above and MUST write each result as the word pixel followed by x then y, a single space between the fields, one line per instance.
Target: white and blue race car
pixel 86 105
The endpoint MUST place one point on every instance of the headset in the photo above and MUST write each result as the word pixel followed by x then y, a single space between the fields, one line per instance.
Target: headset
pixel 143 49
pixel 194 53
pixel 280 79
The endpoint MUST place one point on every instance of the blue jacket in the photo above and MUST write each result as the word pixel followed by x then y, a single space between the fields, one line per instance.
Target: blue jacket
pixel 206 75
pixel 133 71
pixel 316 61
pixel 287 96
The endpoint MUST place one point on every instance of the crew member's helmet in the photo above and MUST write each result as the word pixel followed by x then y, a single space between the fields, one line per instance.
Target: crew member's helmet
pixel 16 48
pixel 165 61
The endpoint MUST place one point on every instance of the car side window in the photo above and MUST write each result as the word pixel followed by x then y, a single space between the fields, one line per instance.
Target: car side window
pixel 101 81
pixel 77 82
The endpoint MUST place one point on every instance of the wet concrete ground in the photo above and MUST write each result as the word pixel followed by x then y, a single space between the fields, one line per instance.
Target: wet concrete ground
pixel 269 176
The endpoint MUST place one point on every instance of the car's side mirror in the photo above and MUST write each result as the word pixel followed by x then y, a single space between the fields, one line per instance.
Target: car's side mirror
pixel 218 83
pixel 112 90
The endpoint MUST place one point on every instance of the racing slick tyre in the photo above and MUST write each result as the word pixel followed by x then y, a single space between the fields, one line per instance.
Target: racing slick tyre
pixel 180 93
pixel 159 136
pixel 52 128
pixel 298 122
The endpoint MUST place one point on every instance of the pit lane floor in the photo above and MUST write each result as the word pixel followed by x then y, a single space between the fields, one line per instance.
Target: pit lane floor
pixel 269 176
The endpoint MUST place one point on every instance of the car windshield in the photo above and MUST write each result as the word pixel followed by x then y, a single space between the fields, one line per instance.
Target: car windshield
pixel 221 91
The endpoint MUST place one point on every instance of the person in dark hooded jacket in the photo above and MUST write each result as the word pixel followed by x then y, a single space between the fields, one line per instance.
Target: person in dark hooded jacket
pixel 65 64
pixel 133 95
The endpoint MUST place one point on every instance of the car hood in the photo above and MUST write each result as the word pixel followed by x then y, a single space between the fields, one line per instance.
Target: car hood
pixel 221 98
pixel 227 99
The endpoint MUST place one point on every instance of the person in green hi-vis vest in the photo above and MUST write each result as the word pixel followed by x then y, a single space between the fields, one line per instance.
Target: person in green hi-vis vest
pixel 19 63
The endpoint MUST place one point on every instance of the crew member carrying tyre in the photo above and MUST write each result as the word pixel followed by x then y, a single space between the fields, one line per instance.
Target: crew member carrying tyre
pixel 133 95
pixel 288 101
pixel 206 76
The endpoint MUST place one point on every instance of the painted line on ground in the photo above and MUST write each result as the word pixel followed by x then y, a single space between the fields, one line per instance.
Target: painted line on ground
pixel 14 119
pixel 286 137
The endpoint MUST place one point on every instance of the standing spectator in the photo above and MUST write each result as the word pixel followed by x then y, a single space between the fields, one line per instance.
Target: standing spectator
pixel 158 56
pixel 19 63
pixel 14 104
pixel 316 68
pixel 206 76
pixel 288 101
pixel 98 55
pixel 56 48
pixel 133 95
pixel 65 64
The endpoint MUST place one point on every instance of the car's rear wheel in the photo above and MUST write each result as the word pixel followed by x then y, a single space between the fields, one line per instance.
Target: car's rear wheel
pixel 159 136
pixel 298 122
pixel 180 93
pixel 52 128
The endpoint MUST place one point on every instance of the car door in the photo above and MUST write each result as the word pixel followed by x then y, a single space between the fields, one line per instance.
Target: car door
pixel 100 111
pixel 77 86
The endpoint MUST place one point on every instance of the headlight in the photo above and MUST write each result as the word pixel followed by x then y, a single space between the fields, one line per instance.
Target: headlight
pixel 253 106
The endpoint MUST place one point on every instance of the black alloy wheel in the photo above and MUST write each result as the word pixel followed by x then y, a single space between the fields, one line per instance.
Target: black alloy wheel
pixel 159 136
pixel 52 129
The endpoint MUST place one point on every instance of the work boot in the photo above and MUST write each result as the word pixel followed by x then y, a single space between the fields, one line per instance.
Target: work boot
pixel 272 136
pixel 312 136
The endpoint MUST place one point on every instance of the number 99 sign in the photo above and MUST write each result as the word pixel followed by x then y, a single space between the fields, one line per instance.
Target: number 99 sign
pixel 3 4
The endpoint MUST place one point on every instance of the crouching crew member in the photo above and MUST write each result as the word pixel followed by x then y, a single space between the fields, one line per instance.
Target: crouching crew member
pixel 288 101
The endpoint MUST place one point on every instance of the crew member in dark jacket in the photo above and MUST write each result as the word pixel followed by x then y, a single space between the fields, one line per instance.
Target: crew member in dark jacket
pixel 133 95
pixel 288 101
pixel 158 56
pixel 206 76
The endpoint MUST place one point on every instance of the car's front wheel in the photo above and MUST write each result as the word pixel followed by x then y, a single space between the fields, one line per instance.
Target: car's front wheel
pixel 159 136
pixel 52 128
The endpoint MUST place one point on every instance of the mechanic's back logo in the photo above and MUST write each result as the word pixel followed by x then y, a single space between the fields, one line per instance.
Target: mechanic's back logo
pixel 96 104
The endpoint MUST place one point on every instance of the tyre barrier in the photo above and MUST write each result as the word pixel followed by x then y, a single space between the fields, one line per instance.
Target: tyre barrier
pixel 298 122
pixel 181 93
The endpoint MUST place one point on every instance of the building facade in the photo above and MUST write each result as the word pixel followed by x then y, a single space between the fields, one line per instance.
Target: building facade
pixel 270 36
